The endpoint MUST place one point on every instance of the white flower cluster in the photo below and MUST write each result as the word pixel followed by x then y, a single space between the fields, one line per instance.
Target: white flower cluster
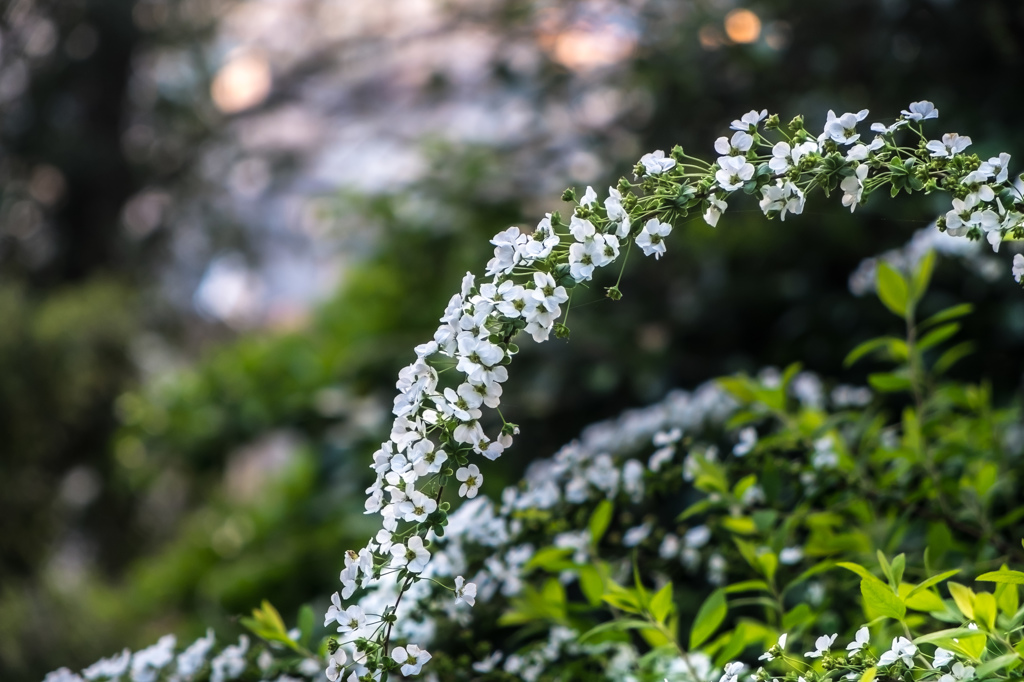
pixel 160 663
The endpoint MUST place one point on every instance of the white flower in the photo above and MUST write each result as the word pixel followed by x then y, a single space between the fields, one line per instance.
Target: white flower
pixel 843 129
pixel 589 197
pixel 791 555
pixel 782 197
pixel 652 238
pixel 920 111
pixel 853 187
pixel 464 592
pixel 634 536
pixel 750 120
pixel 951 144
pixel 230 663
pixel 412 555
pixel 716 207
pixel 942 657
pixel 62 675
pixel 117 665
pixel 617 213
pixel 963 217
pixel 582 230
pixel 656 163
pixel 860 152
pixel 785 156
pixel 547 293
pixel 335 663
pixel 886 130
pixel 821 646
pixel 542 241
pixel 351 619
pixel 768 656
pixel 902 649
pixel 860 640
pixel 471 480
pixel 697 537
pixel 507 251
pixel 733 173
pixel 959 671
pixel 997 166
pixel 583 259
pixel 1018 267
pixel 147 663
pixel 192 659
pixel 739 144
pixel 975 182
pixel 748 439
pixel 669 548
pixel 732 671
pixel 411 658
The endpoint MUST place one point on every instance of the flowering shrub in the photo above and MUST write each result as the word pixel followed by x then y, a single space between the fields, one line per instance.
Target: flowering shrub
pixel 782 497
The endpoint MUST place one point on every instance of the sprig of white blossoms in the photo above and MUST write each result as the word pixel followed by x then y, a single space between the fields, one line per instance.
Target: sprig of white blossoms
pixel 437 427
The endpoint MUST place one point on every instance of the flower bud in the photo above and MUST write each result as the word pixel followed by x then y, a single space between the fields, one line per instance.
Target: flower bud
pixel 569 195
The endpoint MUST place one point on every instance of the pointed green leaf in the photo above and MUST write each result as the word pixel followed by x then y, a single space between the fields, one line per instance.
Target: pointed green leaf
pixel 711 614
pixel 892 290
pixel 879 599
pixel 1003 576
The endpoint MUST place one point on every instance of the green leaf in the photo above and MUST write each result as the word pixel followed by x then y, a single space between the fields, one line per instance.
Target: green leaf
pixel 858 569
pixel 948 314
pixel 865 348
pixel 711 614
pixel 938 335
pixel 1002 576
pixel 879 599
pixel 892 290
pixel 996 664
pixel 618 625
pixel 896 569
pixel 661 603
pixel 952 356
pixel 747 586
pixel 591 583
pixel 934 580
pixel 869 674
pixel 926 600
pixel 889 383
pixel 801 614
pixel 964 598
pixel 923 275
pixel 1008 598
pixel 599 521
pixel 306 623
pixel 985 609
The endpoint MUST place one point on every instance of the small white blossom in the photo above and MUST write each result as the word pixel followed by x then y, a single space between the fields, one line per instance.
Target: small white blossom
pixel 791 555
pixel 617 214
pixel 821 646
pixel 739 144
pixel 412 555
pixel 902 649
pixel 860 640
pixel 853 187
pixel 471 480
pixel 652 238
pixel 785 156
pixel 411 658
pixel 733 173
pixel 732 671
pixel 997 166
pixel 750 120
pixel 1018 267
pixel 958 672
pixel 942 657
pixel 464 592
pixel 920 111
pixel 950 145
pixel 843 129
pixel 716 207
pixel 656 163
pixel 589 197
pixel 748 439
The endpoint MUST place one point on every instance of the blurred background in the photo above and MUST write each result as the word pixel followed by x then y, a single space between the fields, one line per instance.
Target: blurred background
pixel 225 223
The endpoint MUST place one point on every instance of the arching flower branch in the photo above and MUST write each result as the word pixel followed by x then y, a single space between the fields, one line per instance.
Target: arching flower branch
pixel 438 423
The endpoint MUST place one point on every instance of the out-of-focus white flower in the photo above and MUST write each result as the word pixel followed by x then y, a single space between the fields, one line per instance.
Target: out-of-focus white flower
pixel 748 439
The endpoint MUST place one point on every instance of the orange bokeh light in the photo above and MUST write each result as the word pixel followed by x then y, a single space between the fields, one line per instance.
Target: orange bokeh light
pixel 242 83
pixel 742 26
